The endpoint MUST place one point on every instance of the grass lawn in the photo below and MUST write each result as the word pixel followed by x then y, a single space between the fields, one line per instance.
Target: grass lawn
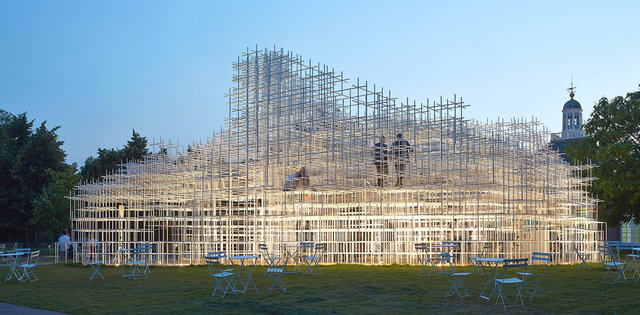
pixel 341 289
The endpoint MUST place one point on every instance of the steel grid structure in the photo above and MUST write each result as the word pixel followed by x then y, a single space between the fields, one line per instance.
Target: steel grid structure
pixel 466 181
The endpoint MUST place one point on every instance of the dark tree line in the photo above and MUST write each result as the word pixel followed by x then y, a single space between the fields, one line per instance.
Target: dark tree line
pixel 35 179
pixel 108 159
pixel 29 157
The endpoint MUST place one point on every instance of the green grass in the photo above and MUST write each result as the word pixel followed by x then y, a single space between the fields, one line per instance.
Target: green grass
pixel 341 289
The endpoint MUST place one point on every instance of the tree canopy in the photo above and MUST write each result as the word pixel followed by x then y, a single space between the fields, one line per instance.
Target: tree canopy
pixel 51 208
pixel 108 159
pixel 26 157
pixel 613 142
pixel 35 180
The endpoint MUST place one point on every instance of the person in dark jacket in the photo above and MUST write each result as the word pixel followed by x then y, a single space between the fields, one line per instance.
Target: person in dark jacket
pixel 401 149
pixel 381 160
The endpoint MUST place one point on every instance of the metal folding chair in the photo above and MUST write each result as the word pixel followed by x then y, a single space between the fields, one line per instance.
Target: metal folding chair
pixel 633 261
pixel 145 253
pixel 12 250
pixel 611 264
pixel 27 268
pixel 91 253
pixel 271 261
pixel 425 260
pixel 305 250
pixel 276 272
pixel 137 262
pixel 536 276
pixel 507 277
pixel 220 272
pixel 455 278
pixel 477 265
pixel 313 260
pixel 141 261
pixel 582 256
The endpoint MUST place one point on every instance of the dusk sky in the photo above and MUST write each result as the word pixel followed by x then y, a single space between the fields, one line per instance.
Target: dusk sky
pixel 101 68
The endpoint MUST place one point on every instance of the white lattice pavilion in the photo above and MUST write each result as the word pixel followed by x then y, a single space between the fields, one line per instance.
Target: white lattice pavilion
pixel 466 181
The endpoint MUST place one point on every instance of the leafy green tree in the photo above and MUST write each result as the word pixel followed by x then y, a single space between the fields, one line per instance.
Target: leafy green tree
pixel 613 142
pixel 136 147
pixel 108 159
pixel 25 155
pixel 51 207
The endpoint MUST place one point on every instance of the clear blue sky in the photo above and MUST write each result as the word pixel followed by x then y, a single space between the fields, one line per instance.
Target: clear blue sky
pixel 99 69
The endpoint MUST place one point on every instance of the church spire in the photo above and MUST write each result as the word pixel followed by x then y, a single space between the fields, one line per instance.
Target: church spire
pixel 572 116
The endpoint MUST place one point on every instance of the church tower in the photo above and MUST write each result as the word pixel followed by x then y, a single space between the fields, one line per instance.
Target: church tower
pixel 572 117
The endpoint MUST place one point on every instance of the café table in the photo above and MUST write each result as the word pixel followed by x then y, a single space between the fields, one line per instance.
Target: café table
pixel 493 266
pixel 11 259
pixel 247 272
pixel 125 256
pixel 291 252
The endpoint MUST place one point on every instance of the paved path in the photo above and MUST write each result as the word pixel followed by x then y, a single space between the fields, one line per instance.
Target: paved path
pixel 17 309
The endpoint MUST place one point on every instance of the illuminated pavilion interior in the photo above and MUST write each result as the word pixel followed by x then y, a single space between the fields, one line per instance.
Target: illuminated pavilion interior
pixel 466 181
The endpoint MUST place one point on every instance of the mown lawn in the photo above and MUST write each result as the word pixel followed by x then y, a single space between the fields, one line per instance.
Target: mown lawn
pixel 341 289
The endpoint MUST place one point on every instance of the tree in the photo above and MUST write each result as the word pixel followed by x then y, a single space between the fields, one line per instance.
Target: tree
pixel 613 143
pixel 108 159
pixel 51 207
pixel 25 155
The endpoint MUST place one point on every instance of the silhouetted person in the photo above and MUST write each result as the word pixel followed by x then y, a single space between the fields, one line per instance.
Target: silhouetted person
pixel 400 150
pixel 381 160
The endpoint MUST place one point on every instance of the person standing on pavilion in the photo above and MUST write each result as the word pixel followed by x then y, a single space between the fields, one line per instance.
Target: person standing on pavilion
pixel 401 149
pixel 381 160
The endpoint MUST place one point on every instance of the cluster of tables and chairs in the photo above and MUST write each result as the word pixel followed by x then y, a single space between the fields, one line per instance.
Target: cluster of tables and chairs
pixel 135 262
pixel 21 263
pixel 617 264
pixel 501 273
pixel 233 274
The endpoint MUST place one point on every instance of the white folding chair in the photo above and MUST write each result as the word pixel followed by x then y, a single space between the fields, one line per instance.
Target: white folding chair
pixel 536 276
pixel 271 261
pixel 611 265
pixel 313 260
pixel 455 278
pixel 477 265
pixel 220 272
pixel 508 277
pixel 425 260
pixel 276 272
pixel 2 247
pixel 27 268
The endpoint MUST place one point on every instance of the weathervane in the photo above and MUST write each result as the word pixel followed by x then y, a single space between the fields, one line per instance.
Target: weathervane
pixel 572 88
